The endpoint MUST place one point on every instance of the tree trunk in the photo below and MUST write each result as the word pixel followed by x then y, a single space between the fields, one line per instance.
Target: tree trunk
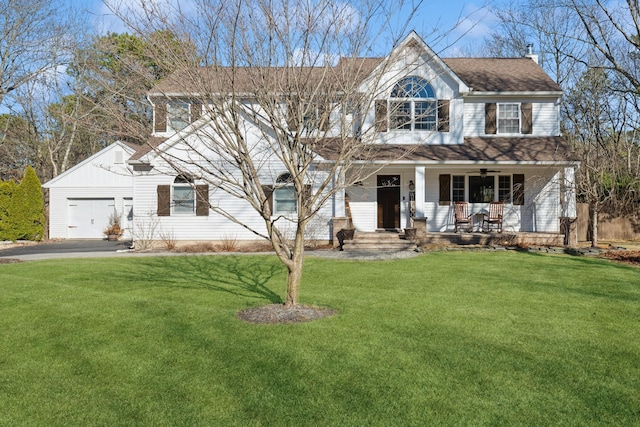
pixel 594 225
pixel 294 267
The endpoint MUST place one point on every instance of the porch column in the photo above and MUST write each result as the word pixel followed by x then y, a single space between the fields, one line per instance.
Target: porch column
pixel 339 215
pixel 419 183
pixel 568 207
pixel 568 189
pixel 338 198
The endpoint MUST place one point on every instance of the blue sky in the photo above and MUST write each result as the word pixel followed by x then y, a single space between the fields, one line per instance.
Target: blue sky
pixel 473 21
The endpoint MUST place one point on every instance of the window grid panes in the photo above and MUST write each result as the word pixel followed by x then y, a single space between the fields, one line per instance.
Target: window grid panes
pixel 458 188
pixel 285 199
pixel 425 115
pixel 504 188
pixel 183 199
pixel 508 118
pixel 417 109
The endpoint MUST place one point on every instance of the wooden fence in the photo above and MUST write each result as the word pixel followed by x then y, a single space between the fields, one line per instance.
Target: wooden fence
pixel 609 227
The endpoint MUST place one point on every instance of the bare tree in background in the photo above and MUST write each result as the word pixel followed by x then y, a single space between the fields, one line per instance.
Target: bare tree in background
pixel 592 48
pixel 282 83
pixel 34 35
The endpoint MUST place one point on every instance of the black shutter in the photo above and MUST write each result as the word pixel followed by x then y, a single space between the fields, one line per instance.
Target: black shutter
pixel 443 115
pixel 202 200
pixel 381 116
pixel 164 200
pixel 526 113
pixel 518 189
pixel 445 190
pixel 490 119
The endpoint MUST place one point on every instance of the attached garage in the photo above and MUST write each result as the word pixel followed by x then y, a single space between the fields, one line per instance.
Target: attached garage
pixel 89 217
pixel 83 198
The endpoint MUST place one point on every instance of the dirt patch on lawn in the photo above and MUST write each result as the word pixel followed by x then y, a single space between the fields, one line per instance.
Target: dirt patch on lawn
pixel 627 257
pixel 9 260
pixel 278 313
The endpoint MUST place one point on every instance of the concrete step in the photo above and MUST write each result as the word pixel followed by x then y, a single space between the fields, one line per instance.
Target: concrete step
pixel 382 241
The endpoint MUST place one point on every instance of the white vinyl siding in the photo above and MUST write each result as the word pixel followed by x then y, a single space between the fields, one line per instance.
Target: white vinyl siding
pixel 545 118
pixel 100 177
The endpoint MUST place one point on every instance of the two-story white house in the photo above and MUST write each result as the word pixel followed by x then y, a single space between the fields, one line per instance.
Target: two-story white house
pixel 453 129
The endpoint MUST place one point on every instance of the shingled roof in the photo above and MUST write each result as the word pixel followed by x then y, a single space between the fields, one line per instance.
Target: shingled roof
pixel 481 74
pixel 477 149
pixel 502 75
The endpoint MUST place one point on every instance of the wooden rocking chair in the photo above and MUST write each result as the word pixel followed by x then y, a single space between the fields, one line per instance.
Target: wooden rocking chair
pixel 494 217
pixel 462 218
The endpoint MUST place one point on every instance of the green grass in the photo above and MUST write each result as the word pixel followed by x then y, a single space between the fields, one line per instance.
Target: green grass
pixel 442 339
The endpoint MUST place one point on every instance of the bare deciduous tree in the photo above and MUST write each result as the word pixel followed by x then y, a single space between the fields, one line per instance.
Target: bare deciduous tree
pixel 285 87
pixel 32 34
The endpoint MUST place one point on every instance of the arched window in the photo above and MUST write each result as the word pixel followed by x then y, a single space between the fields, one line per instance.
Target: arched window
pixel 412 105
pixel 284 195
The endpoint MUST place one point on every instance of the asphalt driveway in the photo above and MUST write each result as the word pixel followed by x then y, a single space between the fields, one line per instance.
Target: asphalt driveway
pixel 59 249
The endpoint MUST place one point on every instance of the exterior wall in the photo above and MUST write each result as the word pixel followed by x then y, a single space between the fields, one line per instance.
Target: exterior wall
pixel 546 115
pixel 189 227
pixel 424 66
pixel 105 175
pixel 363 199
pixel 540 213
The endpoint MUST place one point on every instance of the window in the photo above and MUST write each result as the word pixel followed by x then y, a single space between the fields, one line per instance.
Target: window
pixel 458 188
pixel 413 105
pixel 508 118
pixel 183 197
pixel 178 113
pixel 481 189
pixel 284 195
pixel 504 188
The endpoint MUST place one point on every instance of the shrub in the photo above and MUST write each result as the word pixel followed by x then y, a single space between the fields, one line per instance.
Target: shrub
pixel 26 209
pixel 7 189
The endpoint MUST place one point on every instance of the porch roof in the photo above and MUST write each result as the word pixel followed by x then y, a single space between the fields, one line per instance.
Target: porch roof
pixel 474 149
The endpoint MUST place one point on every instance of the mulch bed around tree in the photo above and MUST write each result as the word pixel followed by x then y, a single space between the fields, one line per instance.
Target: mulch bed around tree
pixel 278 313
pixel 627 257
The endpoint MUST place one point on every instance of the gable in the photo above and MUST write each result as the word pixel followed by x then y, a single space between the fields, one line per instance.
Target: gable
pixel 106 168
pixel 413 57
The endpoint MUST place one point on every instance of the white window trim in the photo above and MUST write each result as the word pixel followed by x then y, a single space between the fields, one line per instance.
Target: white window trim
pixel 173 199
pixel 412 111
pixel 187 114
pixel 502 105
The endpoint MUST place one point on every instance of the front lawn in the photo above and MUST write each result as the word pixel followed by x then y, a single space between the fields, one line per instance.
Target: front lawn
pixel 443 339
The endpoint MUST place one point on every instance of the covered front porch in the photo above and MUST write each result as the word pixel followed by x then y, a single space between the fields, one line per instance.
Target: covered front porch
pixel 538 200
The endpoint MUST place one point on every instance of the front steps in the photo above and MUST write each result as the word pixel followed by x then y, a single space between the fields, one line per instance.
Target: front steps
pixel 383 241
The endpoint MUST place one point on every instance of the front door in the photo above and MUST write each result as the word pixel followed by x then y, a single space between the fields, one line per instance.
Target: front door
pixel 388 201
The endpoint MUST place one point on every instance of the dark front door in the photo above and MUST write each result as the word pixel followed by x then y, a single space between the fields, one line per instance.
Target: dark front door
pixel 388 201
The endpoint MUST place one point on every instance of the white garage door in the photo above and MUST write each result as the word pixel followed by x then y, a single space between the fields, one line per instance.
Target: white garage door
pixel 89 217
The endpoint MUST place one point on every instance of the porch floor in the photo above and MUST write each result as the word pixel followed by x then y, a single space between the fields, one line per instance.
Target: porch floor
pixel 493 239
pixel 390 240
